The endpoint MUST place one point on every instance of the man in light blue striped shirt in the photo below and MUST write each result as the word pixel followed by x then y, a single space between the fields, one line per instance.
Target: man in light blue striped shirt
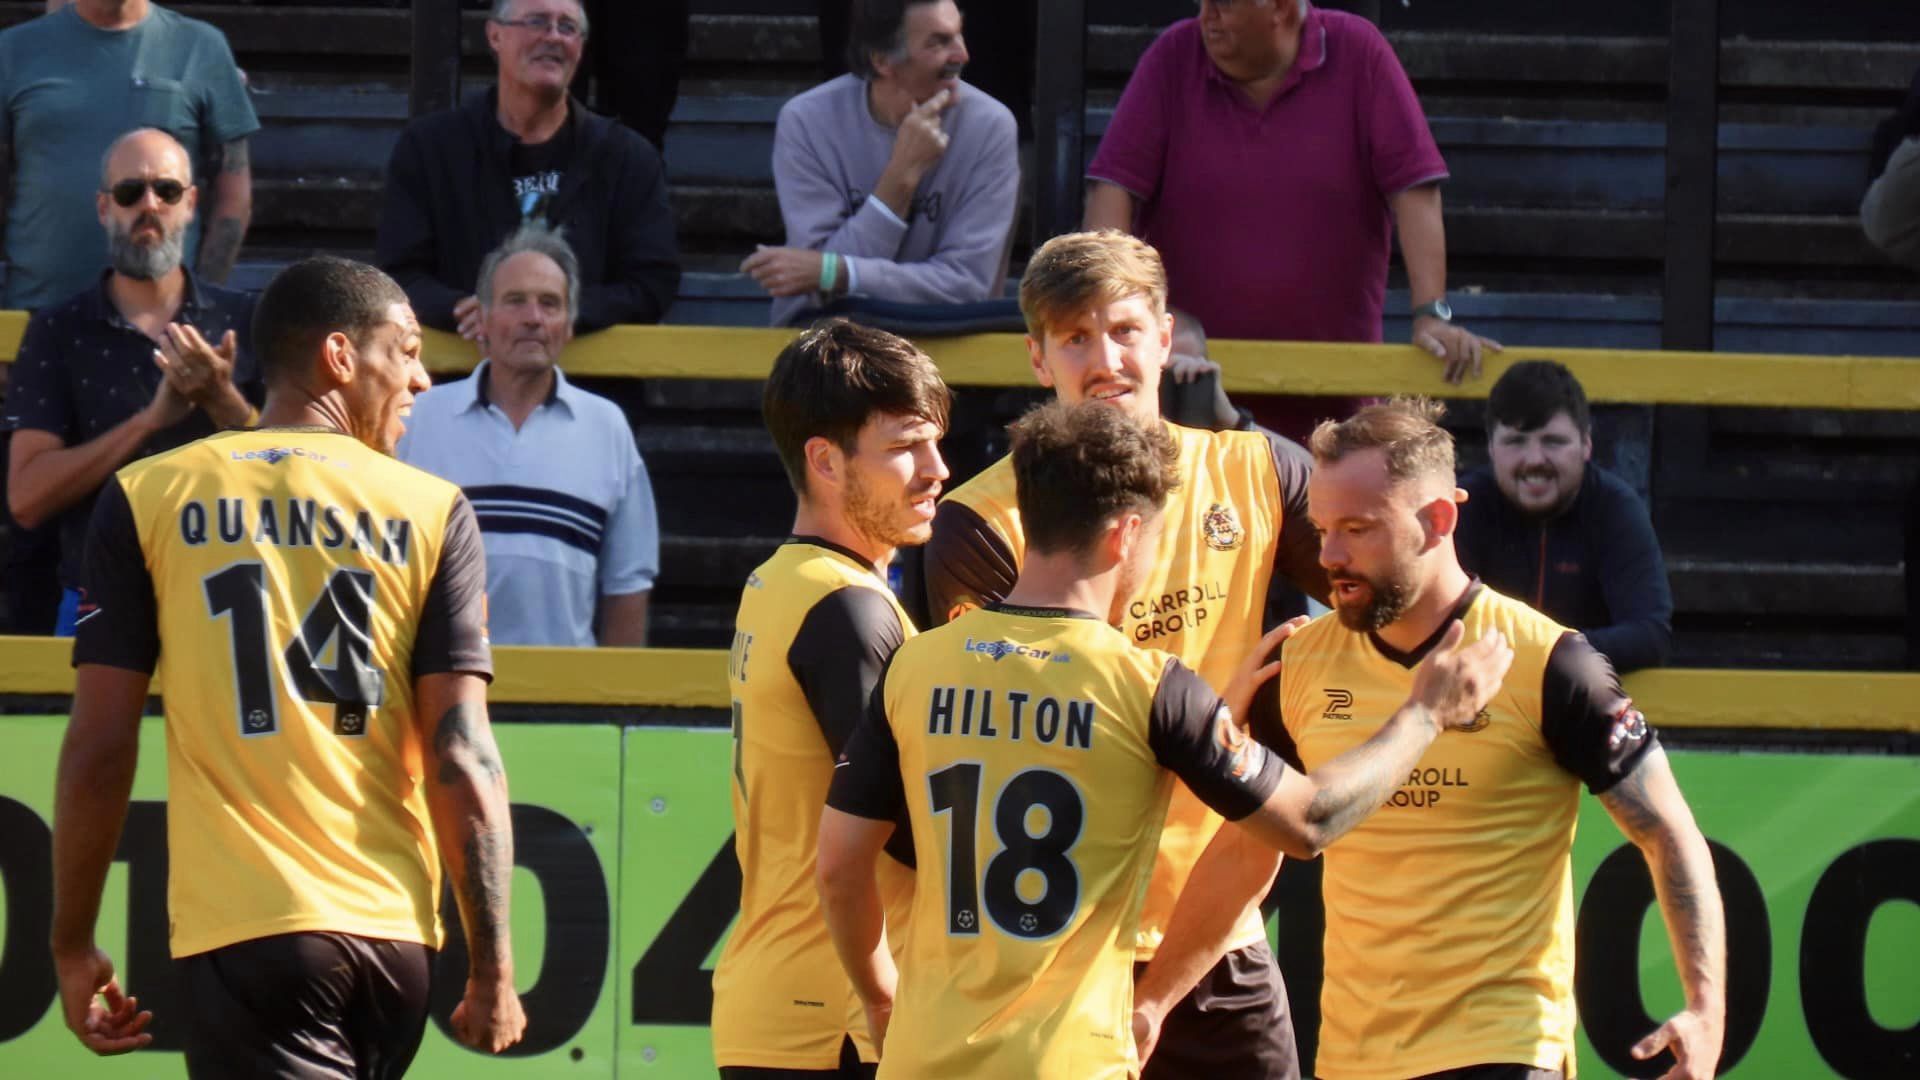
pixel 565 508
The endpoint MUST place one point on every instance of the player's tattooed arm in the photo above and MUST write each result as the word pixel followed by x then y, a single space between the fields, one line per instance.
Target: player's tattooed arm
pixel 467 794
pixel 232 212
pixel 471 771
pixel 1648 807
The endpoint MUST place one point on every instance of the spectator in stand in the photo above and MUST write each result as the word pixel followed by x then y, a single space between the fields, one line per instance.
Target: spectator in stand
pixel 125 368
pixel 461 181
pixel 71 82
pixel 565 507
pixel 898 182
pixel 1004 73
pixel 1544 525
pixel 1268 149
pixel 1891 211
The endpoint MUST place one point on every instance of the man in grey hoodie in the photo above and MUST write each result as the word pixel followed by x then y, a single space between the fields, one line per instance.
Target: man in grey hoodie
pixel 897 182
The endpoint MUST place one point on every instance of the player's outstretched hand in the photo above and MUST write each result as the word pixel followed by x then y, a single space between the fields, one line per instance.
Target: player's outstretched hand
pixel 1455 683
pixel 1255 669
pixel 115 1028
pixel 489 1018
pixel 1694 1038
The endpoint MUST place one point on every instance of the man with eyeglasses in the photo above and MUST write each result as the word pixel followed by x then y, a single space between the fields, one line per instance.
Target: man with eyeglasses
pixel 461 181
pixel 128 367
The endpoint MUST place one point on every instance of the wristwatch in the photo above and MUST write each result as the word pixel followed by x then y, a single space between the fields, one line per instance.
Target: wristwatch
pixel 1439 309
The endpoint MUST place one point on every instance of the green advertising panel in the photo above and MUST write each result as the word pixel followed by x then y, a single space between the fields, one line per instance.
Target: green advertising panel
pixel 616 935
pixel 680 893
pixel 1818 858
pixel 566 794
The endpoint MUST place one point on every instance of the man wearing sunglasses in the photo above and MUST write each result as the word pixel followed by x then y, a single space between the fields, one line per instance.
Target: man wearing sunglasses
pixel 129 366
pixel 79 77
pixel 460 182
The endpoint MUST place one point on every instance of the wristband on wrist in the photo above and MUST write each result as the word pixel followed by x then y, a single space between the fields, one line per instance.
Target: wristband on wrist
pixel 829 270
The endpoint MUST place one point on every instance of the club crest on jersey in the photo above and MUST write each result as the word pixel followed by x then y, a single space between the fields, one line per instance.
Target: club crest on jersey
pixel 1480 721
pixel 1221 526
pixel 1629 727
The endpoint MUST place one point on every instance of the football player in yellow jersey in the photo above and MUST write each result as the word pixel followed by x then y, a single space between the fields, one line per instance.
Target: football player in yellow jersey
pixel 1450 921
pixel 321 609
pixel 856 415
pixel 1033 747
pixel 1235 532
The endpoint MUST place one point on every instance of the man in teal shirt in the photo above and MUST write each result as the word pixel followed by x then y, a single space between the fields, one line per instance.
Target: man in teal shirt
pixel 79 77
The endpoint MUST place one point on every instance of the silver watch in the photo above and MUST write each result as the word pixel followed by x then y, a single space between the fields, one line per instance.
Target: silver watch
pixel 1439 309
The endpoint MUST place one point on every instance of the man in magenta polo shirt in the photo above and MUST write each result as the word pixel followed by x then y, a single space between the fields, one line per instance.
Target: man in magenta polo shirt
pixel 1300 145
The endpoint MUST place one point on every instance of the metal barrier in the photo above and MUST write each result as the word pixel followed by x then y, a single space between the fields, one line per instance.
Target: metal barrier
pixel 696 678
pixel 1653 377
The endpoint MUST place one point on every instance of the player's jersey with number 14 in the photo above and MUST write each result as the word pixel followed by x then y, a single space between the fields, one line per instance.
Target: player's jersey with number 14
pixel 301 561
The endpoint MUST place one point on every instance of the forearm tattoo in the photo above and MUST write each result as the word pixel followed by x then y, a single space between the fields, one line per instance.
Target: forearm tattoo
pixel 220 248
pixel 464 743
pixel 1683 879
pixel 233 156
pixel 489 859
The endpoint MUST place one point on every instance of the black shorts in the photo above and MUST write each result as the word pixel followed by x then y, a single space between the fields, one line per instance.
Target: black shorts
pixel 1235 1023
pixel 851 1068
pixel 313 1006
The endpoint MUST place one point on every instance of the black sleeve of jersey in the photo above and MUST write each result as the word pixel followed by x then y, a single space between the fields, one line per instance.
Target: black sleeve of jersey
pixel 837 656
pixel 1296 559
pixel 453 625
pixel 119 616
pixel 1589 722
pixel 965 562
pixel 1267 722
pixel 1194 734
pixel 866 779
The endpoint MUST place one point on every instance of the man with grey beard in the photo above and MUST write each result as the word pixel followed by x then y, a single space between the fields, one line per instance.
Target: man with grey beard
pixel 129 366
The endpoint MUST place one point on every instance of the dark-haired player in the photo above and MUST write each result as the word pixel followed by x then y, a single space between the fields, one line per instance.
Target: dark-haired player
pixel 321 610
pixel 1033 747
pixel 1450 928
pixel 856 415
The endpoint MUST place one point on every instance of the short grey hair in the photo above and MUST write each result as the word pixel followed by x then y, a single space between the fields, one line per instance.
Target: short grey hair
pixel 538 238
pixel 501 8
pixel 106 159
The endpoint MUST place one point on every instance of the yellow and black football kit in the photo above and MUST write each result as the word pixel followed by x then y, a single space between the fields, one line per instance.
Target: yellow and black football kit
pixel 295 583
pixel 1239 515
pixel 815 629
pixel 1030 750
pixel 1450 919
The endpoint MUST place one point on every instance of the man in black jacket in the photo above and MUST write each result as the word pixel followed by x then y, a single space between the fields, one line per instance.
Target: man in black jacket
pixel 461 181
pixel 1574 541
